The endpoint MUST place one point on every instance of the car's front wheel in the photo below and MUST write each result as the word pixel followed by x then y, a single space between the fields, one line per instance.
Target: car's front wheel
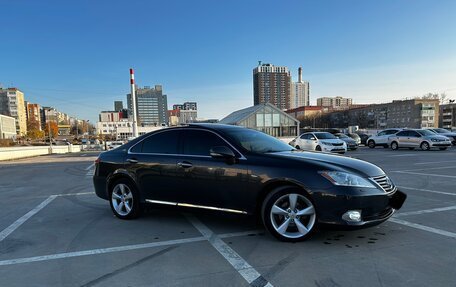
pixel 124 200
pixel 289 214
pixel 371 144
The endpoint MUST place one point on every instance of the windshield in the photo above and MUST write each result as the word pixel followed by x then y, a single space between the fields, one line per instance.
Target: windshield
pixel 425 132
pixel 256 141
pixel 325 136
pixel 342 136
pixel 441 131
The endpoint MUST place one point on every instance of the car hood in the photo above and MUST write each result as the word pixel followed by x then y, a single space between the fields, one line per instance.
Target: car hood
pixel 348 140
pixel 449 134
pixel 331 140
pixel 332 162
pixel 436 137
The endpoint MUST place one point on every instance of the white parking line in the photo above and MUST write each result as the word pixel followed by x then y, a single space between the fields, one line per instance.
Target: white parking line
pixel 76 193
pixel 423 227
pixel 117 249
pixel 399 155
pixel 428 190
pixel 90 166
pixel 429 168
pixel 99 251
pixel 432 162
pixel 427 174
pixel 425 211
pixel 240 265
pixel 7 231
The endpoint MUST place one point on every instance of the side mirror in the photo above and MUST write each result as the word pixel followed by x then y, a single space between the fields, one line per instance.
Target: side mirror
pixel 313 138
pixel 222 152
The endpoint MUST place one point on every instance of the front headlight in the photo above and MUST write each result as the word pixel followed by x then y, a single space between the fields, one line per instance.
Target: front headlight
pixel 435 140
pixel 346 179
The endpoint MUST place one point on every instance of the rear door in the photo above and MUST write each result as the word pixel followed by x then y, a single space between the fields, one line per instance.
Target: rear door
pixel 153 163
pixel 414 139
pixel 402 139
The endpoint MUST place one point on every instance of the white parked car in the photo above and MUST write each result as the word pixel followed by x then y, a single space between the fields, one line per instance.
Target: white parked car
pixel 320 141
pixel 381 138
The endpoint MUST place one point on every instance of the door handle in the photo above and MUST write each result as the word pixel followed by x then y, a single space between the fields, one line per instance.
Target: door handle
pixel 132 160
pixel 184 164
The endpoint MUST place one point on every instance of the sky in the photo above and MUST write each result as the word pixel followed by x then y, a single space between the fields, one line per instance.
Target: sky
pixel 76 55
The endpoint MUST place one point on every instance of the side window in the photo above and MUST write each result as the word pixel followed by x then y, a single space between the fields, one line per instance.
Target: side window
pixel 382 133
pixel 305 136
pixel 162 142
pixel 137 148
pixel 391 132
pixel 402 134
pixel 198 142
pixel 414 134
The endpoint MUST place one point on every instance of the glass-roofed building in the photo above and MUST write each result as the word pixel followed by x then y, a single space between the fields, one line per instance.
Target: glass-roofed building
pixel 266 118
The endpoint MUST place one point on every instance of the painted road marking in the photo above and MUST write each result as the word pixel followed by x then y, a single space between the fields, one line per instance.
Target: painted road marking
pixel 429 168
pixel 423 227
pixel 432 162
pixel 99 251
pixel 426 211
pixel 239 264
pixel 427 174
pixel 117 249
pixel 90 166
pixel 428 190
pixel 10 229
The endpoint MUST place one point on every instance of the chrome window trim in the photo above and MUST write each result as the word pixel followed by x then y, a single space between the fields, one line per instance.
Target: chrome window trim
pixel 187 155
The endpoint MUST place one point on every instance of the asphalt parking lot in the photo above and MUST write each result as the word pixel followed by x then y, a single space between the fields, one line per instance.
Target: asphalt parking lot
pixel 55 232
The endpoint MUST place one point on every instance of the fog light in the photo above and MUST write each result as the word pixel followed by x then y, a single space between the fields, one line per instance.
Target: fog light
pixel 352 216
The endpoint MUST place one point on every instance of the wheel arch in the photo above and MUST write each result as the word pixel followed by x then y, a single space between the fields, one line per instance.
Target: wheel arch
pixel 121 174
pixel 271 185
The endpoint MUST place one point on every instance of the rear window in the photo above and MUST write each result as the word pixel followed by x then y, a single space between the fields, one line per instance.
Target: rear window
pixel 163 142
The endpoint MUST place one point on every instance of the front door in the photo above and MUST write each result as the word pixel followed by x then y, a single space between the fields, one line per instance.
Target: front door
pixel 207 181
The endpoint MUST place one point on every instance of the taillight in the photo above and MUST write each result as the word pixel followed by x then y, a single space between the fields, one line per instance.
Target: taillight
pixel 97 160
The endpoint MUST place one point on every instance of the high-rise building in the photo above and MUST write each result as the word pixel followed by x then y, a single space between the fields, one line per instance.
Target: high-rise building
pixel 151 106
pixel 299 92
pixel 118 106
pixel 186 106
pixel 34 114
pixel 447 118
pixel 335 102
pixel 271 84
pixel 12 104
pixel 187 116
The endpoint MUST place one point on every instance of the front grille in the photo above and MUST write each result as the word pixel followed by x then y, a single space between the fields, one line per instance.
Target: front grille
pixel 386 184
pixel 337 144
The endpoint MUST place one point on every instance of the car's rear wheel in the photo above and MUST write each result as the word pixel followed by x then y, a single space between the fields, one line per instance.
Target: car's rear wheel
pixel 425 146
pixel 371 144
pixel 298 147
pixel 394 146
pixel 289 214
pixel 124 200
pixel 318 148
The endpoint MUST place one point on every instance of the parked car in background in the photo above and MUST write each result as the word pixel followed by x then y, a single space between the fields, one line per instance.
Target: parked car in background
pixel 444 132
pixel 243 171
pixel 381 138
pixel 424 139
pixel 363 137
pixel 355 137
pixel 351 143
pixel 114 144
pixel 320 141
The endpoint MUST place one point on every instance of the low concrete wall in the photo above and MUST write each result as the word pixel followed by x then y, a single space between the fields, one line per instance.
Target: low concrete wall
pixel 8 153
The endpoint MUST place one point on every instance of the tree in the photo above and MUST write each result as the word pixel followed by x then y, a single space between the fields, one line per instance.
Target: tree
pixel 33 129
pixel 54 129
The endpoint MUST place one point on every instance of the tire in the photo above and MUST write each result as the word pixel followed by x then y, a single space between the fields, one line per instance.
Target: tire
pixel 442 148
pixel 425 146
pixel 318 148
pixel 281 221
pixel 122 191
pixel 298 147
pixel 394 146
pixel 371 144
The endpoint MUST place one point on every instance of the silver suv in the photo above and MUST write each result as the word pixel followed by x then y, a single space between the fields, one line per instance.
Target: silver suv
pixel 381 138
pixel 423 139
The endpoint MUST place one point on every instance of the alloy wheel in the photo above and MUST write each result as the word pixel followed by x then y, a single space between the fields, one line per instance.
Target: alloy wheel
pixel 292 215
pixel 425 146
pixel 122 199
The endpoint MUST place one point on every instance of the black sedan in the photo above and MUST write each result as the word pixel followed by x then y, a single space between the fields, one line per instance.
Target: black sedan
pixel 234 169
pixel 351 143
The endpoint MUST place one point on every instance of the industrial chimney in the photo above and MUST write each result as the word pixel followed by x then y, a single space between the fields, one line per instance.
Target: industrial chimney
pixel 300 74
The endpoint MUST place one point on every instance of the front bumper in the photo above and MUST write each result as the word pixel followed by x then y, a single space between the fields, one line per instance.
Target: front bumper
pixel 440 144
pixel 333 148
pixel 375 208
